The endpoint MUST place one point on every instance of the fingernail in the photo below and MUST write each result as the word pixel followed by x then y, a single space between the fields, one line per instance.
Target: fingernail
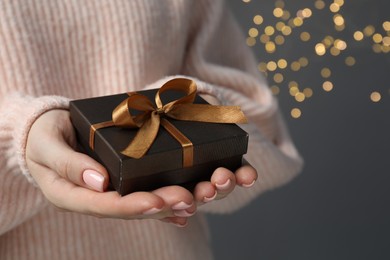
pixel 223 186
pixel 151 211
pixel 181 205
pixel 183 213
pixel 93 179
pixel 208 199
pixel 248 185
pixel 180 225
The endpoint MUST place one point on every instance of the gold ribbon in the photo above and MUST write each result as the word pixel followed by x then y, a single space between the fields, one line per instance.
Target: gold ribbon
pixel 149 120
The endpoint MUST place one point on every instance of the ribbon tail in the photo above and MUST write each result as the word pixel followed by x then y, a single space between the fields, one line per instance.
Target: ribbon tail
pixel 144 138
pixel 208 113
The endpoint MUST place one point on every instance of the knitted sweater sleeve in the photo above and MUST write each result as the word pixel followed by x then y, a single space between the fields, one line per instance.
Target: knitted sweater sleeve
pixel 19 198
pixel 226 68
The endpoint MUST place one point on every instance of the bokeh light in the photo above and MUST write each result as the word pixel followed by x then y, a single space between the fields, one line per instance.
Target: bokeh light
pixel 327 86
pixel 296 113
pixel 375 96
pixel 258 19
pixel 320 49
pixel 278 31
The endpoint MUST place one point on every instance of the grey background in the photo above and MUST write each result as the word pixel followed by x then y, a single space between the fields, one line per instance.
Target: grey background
pixel 338 208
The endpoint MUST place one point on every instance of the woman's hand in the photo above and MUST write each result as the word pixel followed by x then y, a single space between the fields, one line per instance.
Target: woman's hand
pixel 75 182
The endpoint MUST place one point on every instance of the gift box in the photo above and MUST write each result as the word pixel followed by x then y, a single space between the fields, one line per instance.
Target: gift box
pixel 173 144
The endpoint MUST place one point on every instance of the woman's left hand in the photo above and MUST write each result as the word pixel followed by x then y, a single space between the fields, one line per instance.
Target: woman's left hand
pixel 221 184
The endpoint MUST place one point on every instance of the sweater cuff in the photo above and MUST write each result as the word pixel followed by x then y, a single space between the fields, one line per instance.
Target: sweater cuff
pixel 22 111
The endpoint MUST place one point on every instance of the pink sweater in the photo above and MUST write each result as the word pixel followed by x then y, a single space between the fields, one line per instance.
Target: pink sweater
pixel 52 51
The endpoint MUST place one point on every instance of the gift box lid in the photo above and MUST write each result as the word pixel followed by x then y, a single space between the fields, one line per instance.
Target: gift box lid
pixel 211 141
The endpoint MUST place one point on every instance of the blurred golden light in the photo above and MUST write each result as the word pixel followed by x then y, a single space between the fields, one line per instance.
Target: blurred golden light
pixel 306 12
pixel 369 30
pixel 295 66
pixel 300 14
pixel 319 4
pixel 278 12
pixel 320 49
pixel 339 28
pixel 250 41
pixel 377 48
pixel 334 51
pixel 338 20
pixel 328 41
pixel 275 90
pixel 375 96
pixel 286 15
pixel 293 91
pixel 258 19
pixel 270 47
pixel 340 44
pixel 286 30
pixel 327 86
pixel 296 113
pixel 339 2
pixel 358 36
pixel 269 30
pixel 279 4
pixel 253 32
pixel 350 61
pixel 386 26
pixel 305 36
pixel 325 73
pixel 279 40
pixel 303 61
pixel 385 48
pixel 293 84
pixel 262 67
pixel 246 1
pixel 300 97
pixel 282 63
pixel 297 21
pixel 278 77
pixel 279 26
pixel 291 23
pixel 334 8
pixel 377 38
pixel 386 41
pixel 308 92
pixel 271 66
pixel 264 38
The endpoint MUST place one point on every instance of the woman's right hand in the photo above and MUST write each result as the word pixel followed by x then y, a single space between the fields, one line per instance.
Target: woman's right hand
pixel 73 181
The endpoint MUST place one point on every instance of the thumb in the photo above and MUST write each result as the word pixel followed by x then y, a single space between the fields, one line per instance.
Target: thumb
pixel 75 167
pixel 48 147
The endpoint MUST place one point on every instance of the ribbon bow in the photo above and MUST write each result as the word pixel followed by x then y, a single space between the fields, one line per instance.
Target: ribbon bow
pixel 150 118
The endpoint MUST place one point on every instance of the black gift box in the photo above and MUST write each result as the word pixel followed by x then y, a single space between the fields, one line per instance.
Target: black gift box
pixel 215 145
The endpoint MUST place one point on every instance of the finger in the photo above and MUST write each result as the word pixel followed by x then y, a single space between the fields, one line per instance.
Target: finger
pixel 178 199
pixel 67 196
pixel 224 181
pixel 246 176
pixel 204 192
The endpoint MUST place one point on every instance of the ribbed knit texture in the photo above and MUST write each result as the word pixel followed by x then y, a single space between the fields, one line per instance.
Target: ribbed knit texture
pixel 52 51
